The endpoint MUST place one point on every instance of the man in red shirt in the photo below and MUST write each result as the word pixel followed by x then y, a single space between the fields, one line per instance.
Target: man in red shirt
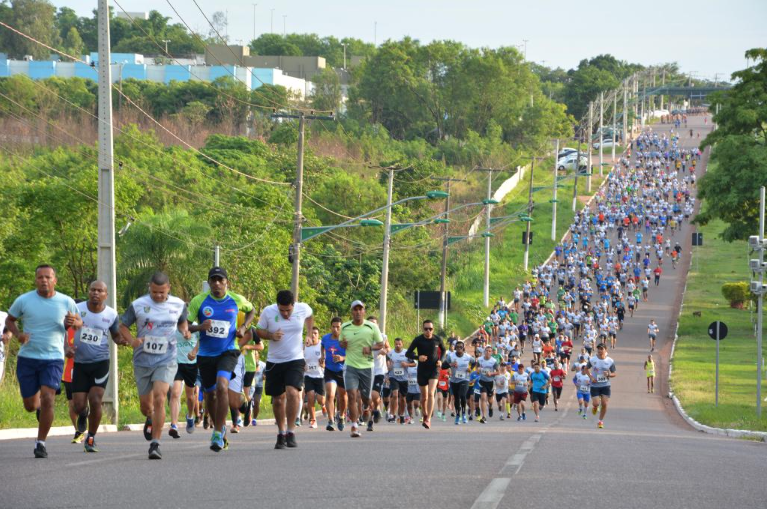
pixel 557 381
pixel 658 271
pixel 443 393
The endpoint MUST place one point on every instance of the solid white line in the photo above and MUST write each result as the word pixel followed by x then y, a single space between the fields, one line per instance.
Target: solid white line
pixel 492 494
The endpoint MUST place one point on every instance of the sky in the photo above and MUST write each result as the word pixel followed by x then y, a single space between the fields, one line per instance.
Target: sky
pixel 705 37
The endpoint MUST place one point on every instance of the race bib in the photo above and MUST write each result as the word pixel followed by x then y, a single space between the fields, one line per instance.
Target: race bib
pixel 315 369
pixel 486 371
pixel 155 345
pixel 399 372
pixel 583 388
pixel 601 379
pixel 219 329
pixel 91 336
pixel 412 383
pixel 556 379
pixel 461 375
pixel 521 386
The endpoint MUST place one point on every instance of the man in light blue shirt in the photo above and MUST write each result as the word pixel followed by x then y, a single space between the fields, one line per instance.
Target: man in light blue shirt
pixel 46 315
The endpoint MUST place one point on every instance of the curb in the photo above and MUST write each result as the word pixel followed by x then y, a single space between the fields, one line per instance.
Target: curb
pixel 59 431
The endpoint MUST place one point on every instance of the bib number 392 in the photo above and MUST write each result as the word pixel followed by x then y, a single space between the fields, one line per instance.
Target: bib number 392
pixel 155 345
pixel 219 329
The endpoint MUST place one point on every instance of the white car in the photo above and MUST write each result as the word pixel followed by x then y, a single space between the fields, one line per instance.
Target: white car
pixel 568 162
pixel 566 152
pixel 606 143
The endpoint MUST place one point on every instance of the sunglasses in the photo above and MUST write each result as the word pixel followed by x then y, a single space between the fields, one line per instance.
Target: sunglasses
pixel 428 328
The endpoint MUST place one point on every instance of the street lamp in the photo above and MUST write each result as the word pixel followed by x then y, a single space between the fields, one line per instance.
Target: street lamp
pixel 166 41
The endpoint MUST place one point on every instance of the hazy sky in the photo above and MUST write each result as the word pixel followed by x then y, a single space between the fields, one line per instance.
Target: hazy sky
pixel 703 36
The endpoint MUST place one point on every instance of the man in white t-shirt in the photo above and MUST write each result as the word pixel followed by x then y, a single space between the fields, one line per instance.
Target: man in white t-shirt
pixel 283 325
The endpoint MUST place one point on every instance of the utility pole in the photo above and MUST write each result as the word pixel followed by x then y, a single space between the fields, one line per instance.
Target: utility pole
pixel 216 255
pixel 106 181
pixel 385 267
pixel 530 213
pixel 254 21
pixel 662 83
pixel 589 137
pixel 554 197
pixel 601 133
pixel 443 271
pixel 577 170
pixel 760 309
pixel 644 97
pixel 271 22
pixel 294 253
pixel 615 121
pixel 488 211
pixel 525 41
pixel 625 112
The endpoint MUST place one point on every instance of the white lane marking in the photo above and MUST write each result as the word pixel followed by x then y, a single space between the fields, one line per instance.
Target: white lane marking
pixel 491 496
pixel 516 460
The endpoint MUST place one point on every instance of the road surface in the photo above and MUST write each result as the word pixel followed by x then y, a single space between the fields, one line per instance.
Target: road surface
pixel 645 457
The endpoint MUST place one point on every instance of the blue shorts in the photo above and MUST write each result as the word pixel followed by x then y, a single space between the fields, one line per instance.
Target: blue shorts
pixel 585 396
pixel 34 373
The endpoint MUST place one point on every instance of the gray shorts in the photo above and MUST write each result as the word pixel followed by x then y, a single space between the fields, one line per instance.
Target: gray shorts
pixel 358 379
pixel 146 377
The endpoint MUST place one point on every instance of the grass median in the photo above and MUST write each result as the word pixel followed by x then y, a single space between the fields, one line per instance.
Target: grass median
pixel 693 379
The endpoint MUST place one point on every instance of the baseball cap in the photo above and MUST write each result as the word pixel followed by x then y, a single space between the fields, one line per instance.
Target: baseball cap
pixel 357 303
pixel 217 272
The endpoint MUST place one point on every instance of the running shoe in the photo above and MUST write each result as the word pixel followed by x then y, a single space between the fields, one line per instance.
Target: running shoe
pixel 524 416
pixel 600 425
pixel 154 451
pixel 426 424
pixel 40 451
pixel 189 424
pixel 482 420
pixel 537 419
pixel 341 424
pixel 290 439
pixel 330 426
pixel 355 433
pixel 298 422
pixel 313 424
pixel 519 418
pixel 594 410
pixel 216 441
pixel 439 414
pixel 457 419
pixel 584 415
pixel 148 429
pixel 254 422
pixel 82 421
pixel 376 416
pixel 280 441
pixel 205 422
pixel 173 431
pixel 90 445
pixel 402 419
pixel 444 418
pixel 78 438
pixel 502 418
pixel 490 413
pixel 464 419
pixel 226 443
pixel 235 429
pixel 370 426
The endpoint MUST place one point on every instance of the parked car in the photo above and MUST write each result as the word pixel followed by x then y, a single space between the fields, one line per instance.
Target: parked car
pixel 606 143
pixel 568 162
pixel 566 152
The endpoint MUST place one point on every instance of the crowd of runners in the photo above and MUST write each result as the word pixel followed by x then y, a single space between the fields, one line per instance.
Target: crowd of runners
pixel 553 332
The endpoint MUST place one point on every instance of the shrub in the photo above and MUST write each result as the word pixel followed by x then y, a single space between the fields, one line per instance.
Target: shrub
pixel 736 293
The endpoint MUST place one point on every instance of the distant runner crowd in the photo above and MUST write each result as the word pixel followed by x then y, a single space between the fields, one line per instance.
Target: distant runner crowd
pixel 207 352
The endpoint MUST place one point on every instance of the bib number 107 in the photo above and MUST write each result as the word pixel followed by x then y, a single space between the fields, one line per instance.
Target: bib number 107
pixel 155 345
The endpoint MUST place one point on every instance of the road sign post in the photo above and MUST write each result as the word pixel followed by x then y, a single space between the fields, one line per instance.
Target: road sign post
pixel 717 331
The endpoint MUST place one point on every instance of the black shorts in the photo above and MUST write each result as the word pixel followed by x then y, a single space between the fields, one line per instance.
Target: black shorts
pixel 426 374
pixel 378 382
pixel 386 391
pixel 90 374
pixel 212 367
pixel 247 378
pixel 67 389
pixel 600 391
pixel 557 391
pixel 500 396
pixel 257 391
pixel 187 373
pixel 444 392
pixel 486 387
pixel 564 355
pixel 412 397
pixel 281 374
pixel 398 385
pixel 316 385
pixel 538 397
pixel 336 377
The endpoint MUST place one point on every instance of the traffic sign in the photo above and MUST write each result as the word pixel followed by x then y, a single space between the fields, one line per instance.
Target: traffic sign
pixel 717 330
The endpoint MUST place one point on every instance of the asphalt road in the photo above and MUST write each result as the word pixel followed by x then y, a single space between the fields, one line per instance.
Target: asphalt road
pixel 645 457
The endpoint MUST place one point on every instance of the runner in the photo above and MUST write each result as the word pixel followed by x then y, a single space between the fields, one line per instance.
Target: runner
pixel 460 364
pixel 398 379
pixel 335 356
pixel 157 316
pixel 558 376
pixel 46 315
pixel 314 378
pixel 488 369
pixel 502 391
pixel 600 369
pixel 413 397
pixel 652 333
pixel 539 387
pixel 91 354
pixel 186 380
pixel 216 313
pixel 582 382
pixel 360 338
pixel 283 324
pixel 521 382
pixel 79 421
pixel 250 345
pixel 379 376
pixel 430 351
pixel 649 367
pixel 258 385
pixel 443 393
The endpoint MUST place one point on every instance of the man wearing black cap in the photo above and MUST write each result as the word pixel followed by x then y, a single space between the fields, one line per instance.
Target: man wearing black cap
pixel 216 312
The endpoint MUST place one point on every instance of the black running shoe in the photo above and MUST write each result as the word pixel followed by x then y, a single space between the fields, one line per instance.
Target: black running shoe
pixel 280 441
pixel 82 422
pixel 148 429
pixel 154 451
pixel 376 417
pixel 40 451
pixel 290 440
pixel 370 425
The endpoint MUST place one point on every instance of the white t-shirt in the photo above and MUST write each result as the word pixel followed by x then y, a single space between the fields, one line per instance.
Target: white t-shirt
pixel 290 347
pixel 313 354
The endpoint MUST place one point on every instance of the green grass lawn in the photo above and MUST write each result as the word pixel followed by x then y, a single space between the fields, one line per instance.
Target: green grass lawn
pixel 693 378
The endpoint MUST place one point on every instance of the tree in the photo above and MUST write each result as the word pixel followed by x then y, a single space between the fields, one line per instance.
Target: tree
pixel 327 90
pixel 273 44
pixel 73 44
pixel 730 187
pixel 36 18
pixel 219 23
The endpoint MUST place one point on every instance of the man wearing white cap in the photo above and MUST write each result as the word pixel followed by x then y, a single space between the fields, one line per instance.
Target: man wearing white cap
pixel 360 338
